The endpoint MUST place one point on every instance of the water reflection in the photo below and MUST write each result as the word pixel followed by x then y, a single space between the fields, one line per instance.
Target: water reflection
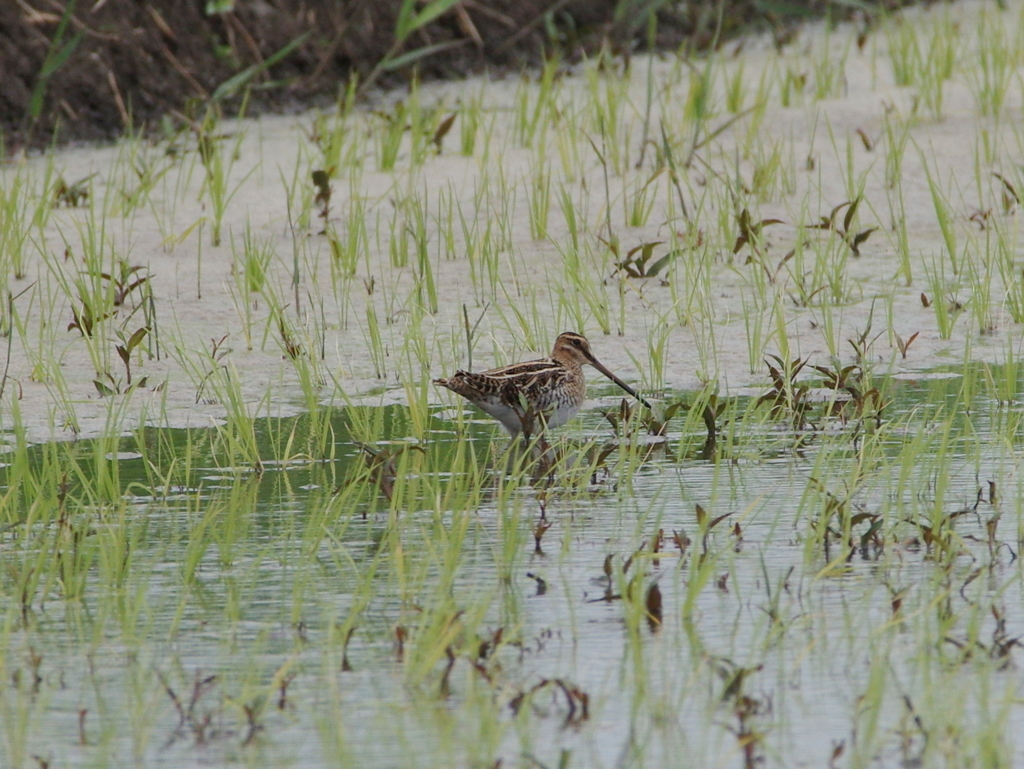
pixel 738 594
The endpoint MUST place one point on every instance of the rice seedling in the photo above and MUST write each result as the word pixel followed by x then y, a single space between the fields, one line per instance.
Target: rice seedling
pixel 896 133
pixel 538 193
pixel 990 80
pixel 829 69
pixel 533 106
pixel 236 446
pixel 400 234
pixel 389 141
pixel 376 342
pixel 136 173
pixel 470 118
pixel 922 60
pixel 218 166
pixel 23 209
pixel 334 136
pixel 899 235
pixel 791 85
pixel 424 270
pixel 980 273
pixel 735 88
pixel 904 51
pixel 639 201
pixel 699 104
pixel 569 154
pixel 943 216
pixel 572 222
pixel 774 175
pixel 607 96
pixel 756 335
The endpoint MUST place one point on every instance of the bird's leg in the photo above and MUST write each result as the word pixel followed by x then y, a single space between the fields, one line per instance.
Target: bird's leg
pixel 526 414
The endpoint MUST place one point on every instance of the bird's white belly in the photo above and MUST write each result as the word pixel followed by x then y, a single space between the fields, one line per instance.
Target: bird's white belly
pixel 561 414
pixel 511 420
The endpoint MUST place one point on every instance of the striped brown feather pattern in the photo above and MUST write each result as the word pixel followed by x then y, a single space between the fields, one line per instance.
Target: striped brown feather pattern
pixel 550 389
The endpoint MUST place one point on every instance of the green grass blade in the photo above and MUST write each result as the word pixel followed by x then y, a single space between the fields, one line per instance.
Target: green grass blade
pixel 233 84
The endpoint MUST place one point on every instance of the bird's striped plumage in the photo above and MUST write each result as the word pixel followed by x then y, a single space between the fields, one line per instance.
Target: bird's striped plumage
pixel 548 391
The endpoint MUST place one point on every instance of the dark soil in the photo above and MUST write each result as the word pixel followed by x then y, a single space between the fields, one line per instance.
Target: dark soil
pixel 85 70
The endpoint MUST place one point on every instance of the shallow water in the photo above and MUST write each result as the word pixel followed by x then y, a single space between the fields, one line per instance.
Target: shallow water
pixel 234 582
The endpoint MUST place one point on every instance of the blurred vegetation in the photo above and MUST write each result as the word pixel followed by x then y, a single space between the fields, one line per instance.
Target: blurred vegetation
pixel 89 71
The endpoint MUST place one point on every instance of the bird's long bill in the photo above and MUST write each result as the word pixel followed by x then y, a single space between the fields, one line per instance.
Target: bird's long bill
pixel 600 367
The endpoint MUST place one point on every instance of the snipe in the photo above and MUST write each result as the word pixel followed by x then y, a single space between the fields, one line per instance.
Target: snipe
pixel 548 391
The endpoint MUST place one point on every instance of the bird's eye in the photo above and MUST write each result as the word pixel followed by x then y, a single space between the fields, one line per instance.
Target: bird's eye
pixel 576 342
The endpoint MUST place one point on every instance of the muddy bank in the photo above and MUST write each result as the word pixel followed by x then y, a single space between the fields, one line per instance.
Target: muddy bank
pixel 86 71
